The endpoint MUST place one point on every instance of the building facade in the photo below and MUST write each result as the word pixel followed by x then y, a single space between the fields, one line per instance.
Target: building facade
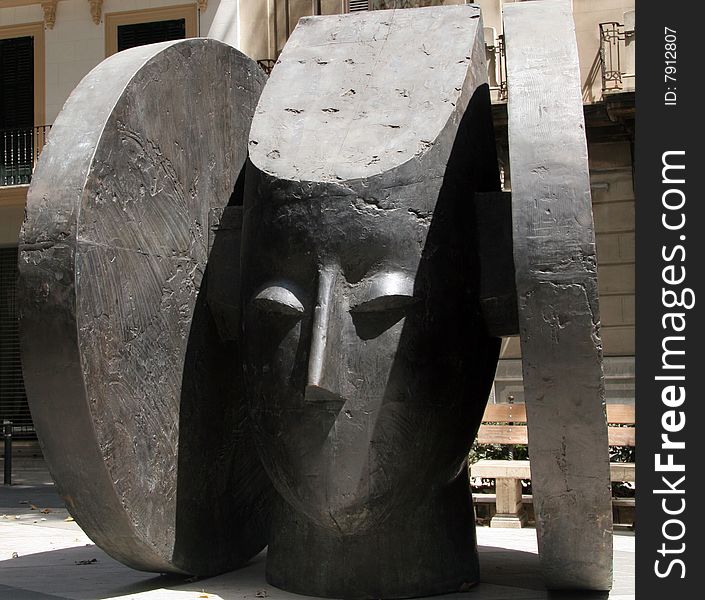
pixel 47 46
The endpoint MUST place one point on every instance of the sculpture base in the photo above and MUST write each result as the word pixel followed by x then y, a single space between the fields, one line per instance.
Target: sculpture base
pixel 420 551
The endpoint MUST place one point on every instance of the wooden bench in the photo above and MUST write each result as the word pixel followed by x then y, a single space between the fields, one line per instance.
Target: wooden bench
pixel 506 424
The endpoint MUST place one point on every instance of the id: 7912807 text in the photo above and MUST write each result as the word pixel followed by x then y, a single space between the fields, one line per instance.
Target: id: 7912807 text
pixel 670 43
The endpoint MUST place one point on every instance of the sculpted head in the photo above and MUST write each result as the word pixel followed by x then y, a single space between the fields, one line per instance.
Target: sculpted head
pixel 367 364
pixel 366 360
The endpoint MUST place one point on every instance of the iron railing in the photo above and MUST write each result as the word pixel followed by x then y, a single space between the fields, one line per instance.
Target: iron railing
pixel 614 51
pixel 19 151
pixel 497 69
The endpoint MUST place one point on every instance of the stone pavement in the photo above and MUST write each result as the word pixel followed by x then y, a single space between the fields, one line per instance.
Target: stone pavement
pixel 56 561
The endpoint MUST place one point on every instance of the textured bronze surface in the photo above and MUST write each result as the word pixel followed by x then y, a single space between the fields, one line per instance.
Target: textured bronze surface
pixel 368 364
pixel 556 277
pixel 135 394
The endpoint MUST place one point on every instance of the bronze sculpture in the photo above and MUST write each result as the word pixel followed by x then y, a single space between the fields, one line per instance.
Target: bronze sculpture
pixel 356 312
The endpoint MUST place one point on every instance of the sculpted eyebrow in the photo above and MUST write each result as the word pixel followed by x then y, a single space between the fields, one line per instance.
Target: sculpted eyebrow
pixel 278 299
pixel 391 289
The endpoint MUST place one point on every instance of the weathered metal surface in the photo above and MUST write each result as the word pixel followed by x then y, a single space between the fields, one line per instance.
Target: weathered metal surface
pixel 556 276
pixel 367 361
pixel 136 397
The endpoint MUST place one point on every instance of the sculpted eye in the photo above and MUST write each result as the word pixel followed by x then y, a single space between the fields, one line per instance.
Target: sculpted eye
pixel 385 292
pixel 278 300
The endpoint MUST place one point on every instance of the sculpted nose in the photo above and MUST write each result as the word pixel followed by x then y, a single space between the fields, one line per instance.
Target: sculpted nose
pixel 321 384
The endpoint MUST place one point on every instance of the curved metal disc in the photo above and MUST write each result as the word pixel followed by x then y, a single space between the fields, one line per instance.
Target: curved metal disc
pixel 135 396
pixel 556 280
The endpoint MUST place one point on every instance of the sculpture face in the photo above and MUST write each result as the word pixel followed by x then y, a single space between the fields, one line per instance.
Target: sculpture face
pixel 366 366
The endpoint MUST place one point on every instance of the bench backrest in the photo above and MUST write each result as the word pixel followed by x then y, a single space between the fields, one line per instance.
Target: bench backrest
pixel 506 424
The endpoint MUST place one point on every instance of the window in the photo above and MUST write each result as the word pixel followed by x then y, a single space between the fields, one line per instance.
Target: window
pixel 139 34
pixel 13 400
pixel 357 5
pixel 21 100
pixel 17 76
pixel 125 30
pixel 16 109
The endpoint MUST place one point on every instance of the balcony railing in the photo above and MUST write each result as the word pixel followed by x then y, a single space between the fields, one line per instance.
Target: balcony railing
pixel 616 57
pixel 19 151
pixel 496 68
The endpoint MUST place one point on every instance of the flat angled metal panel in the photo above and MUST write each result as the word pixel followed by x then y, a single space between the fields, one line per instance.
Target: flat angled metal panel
pixel 556 277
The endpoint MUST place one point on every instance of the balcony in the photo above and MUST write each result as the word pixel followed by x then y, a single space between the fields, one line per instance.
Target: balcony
pixel 496 65
pixel 617 44
pixel 19 151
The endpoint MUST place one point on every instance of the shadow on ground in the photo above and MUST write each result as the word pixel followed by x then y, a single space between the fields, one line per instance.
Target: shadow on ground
pixel 88 573
pixel 18 498
pixel 79 572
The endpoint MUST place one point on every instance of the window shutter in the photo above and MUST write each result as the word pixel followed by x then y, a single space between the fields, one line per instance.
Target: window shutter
pixel 17 83
pixel 357 5
pixel 13 400
pixel 139 34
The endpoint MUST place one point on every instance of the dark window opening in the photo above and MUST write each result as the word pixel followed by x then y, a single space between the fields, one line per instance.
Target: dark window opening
pixel 13 400
pixel 17 83
pixel 139 34
pixel 16 109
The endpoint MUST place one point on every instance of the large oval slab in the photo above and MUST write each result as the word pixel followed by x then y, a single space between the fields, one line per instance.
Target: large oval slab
pixel 134 389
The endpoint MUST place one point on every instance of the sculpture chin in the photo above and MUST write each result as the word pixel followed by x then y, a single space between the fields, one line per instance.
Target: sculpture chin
pixel 387 466
pixel 307 473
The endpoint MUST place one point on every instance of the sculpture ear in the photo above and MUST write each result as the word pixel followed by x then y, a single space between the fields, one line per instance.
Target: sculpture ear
pixel 135 392
pixel 223 270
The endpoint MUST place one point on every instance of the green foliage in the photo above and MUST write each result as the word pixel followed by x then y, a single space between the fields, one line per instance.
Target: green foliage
pixel 622 454
pixel 498 452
